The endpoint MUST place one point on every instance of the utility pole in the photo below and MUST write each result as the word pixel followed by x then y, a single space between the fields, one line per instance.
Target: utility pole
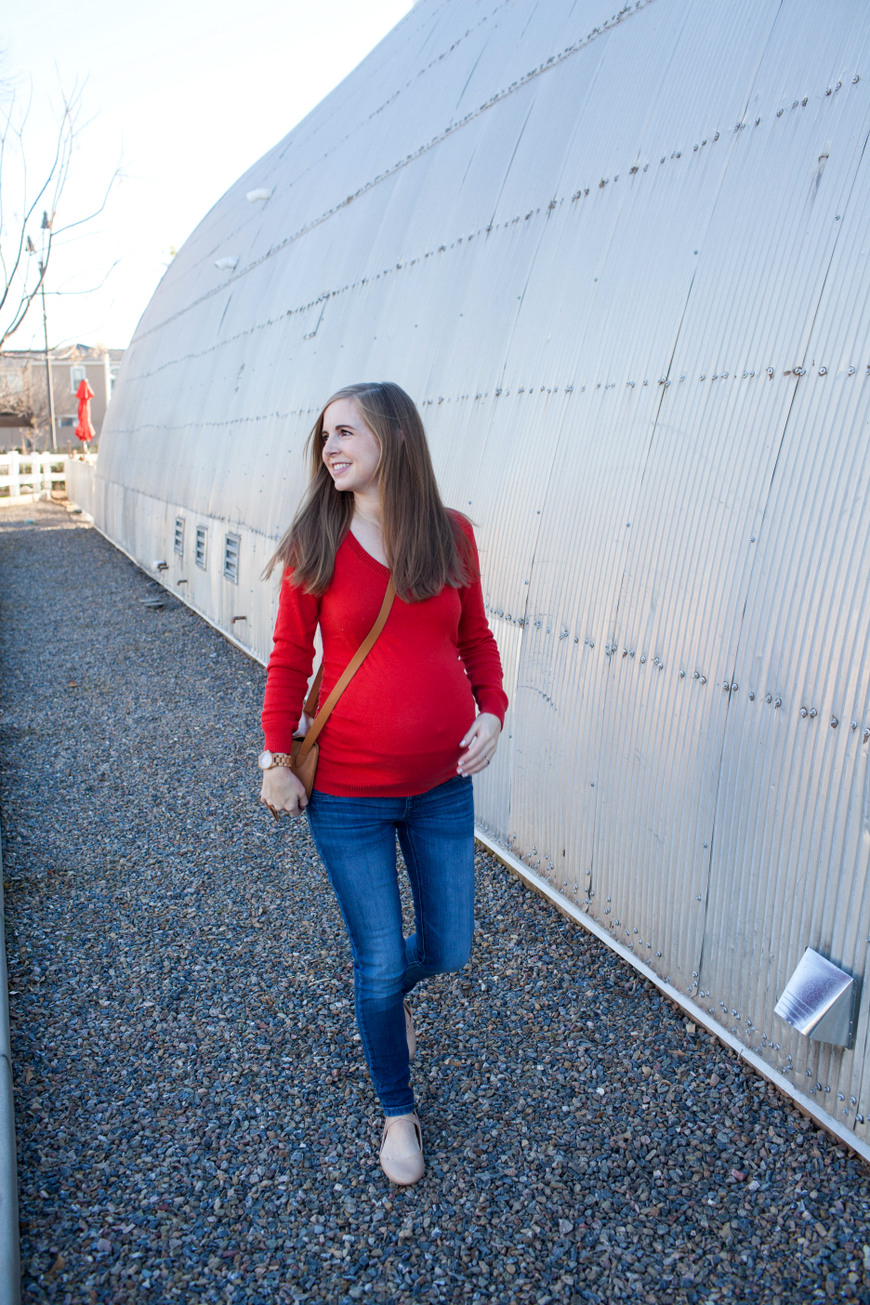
pixel 48 363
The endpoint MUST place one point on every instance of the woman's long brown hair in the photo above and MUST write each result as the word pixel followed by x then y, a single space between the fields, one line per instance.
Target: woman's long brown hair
pixel 425 545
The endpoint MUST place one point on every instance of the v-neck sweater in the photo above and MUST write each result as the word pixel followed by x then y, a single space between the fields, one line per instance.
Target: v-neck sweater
pixel 396 729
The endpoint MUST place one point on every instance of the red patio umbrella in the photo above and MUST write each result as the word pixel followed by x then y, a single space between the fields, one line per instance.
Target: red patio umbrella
pixel 85 431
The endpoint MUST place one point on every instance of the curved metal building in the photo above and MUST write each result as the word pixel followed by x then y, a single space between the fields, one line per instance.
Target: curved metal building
pixel 622 260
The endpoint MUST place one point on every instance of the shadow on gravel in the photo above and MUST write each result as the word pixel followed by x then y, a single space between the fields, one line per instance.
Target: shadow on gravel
pixel 195 1123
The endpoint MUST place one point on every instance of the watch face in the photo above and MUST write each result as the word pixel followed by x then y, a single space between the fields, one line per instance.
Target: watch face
pixel 264 761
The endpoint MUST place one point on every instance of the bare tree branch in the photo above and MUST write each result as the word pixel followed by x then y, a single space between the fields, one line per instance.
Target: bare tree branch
pixel 28 226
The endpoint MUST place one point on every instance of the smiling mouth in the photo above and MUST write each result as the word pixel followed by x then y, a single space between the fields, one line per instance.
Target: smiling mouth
pixel 339 466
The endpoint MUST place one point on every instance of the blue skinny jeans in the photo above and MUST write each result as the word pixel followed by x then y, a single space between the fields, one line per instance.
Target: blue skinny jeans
pixel 356 839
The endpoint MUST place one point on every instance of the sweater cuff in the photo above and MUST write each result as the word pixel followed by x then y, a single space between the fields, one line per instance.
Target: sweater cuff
pixel 493 701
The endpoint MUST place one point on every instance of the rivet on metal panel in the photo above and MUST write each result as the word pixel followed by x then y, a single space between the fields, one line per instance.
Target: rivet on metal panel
pixel 696 675
pixel 591 643
pixel 698 898
pixel 703 679
pixel 804 713
pixel 777 702
pixel 703 376
pixel 823 371
pixel 855 80
pixel 805 101
pixel 576 638
pixel 631 652
pixel 625 652
pixel 779 113
pixel 834 722
pixel 682 675
pixel 752 539
pixel 853 1101
pixel 770 373
pixel 851 371
pixel 866 735
pixel 799 371
pixel 752 695
pixel 726 685
pixel 813 713
pixel 859 1119
pixel 658 954
pixel 643 658
pixel 757 121
pixel 854 724
pixel 768 697
pixel 734 688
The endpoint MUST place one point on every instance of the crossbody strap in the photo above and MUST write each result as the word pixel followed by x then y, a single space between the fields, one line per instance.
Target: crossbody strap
pixel 349 672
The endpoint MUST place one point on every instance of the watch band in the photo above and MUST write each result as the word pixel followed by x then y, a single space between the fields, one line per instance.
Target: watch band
pixel 276 759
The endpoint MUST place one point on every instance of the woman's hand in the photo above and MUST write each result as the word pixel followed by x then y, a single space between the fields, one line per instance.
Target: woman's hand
pixel 481 742
pixel 282 791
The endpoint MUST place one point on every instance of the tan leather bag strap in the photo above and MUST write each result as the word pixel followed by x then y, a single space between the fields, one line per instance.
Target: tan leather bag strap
pixel 349 672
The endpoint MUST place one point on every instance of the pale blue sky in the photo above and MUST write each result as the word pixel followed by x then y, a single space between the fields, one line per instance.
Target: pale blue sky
pixel 185 96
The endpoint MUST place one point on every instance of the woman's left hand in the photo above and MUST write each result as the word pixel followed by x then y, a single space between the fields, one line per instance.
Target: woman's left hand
pixel 480 743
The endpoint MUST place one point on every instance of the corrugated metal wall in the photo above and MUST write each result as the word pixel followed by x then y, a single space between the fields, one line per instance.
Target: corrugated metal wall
pixel 621 260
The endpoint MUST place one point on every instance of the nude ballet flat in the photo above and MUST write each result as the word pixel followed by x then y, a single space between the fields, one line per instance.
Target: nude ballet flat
pixel 401 1154
pixel 410 1033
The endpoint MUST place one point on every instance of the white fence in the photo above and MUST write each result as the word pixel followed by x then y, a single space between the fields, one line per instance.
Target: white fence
pixel 26 476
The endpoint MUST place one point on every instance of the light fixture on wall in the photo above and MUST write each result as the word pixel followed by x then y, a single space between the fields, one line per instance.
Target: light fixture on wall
pixel 253 196
pixel 227 264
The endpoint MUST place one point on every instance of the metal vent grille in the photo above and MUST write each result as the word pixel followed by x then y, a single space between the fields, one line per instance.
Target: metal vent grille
pixel 231 558
pixel 178 544
pixel 201 546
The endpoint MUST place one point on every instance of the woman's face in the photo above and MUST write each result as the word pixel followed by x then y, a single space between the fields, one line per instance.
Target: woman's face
pixel 350 448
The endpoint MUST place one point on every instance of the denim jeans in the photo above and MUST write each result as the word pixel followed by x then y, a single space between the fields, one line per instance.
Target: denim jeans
pixel 356 839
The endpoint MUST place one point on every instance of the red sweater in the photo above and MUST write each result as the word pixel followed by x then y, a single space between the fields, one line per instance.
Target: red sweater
pixel 396 729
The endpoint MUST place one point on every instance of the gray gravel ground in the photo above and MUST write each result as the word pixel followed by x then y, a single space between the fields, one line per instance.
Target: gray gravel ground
pixel 195 1122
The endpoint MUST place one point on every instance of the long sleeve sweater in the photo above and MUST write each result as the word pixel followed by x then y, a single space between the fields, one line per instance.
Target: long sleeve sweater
pixel 396 729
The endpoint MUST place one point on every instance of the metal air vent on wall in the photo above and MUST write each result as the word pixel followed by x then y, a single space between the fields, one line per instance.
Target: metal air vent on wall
pixel 819 1001
pixel 232 545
